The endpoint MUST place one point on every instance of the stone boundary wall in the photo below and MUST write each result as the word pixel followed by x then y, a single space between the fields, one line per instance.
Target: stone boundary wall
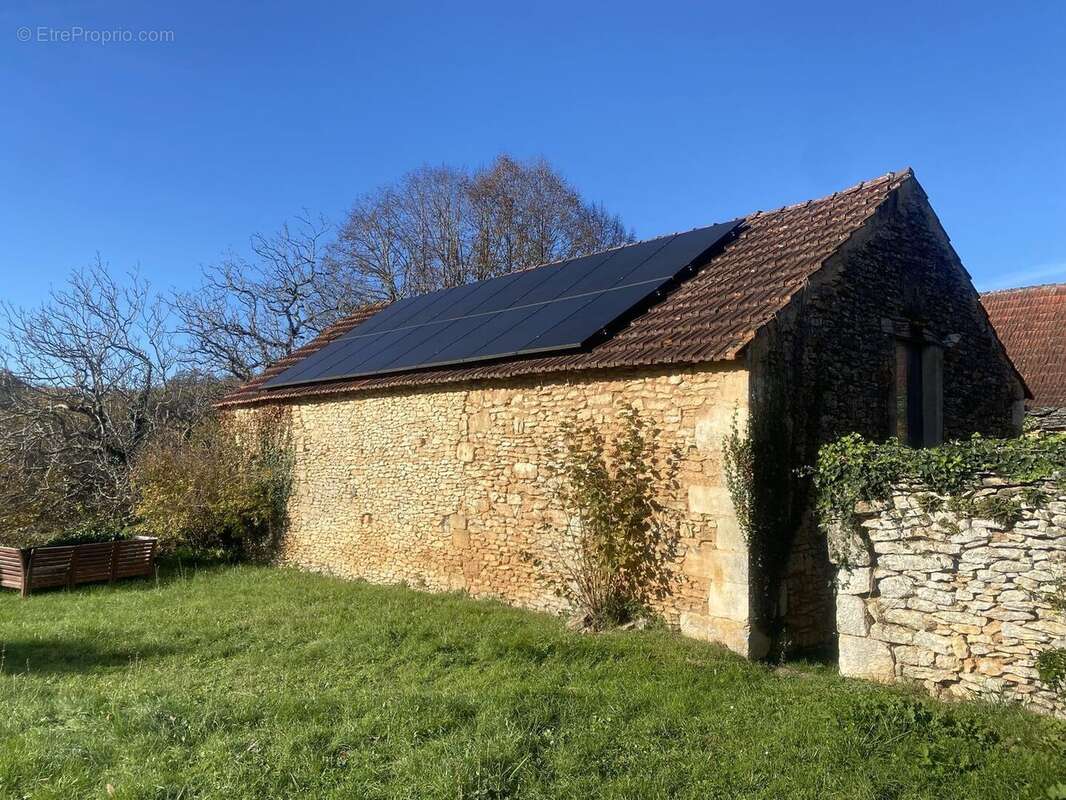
pixel 957 604
pixel 447 488
pixel 1047 419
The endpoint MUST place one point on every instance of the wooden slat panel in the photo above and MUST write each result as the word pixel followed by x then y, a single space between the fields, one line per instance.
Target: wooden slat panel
pixel 95 551
pixel 52 556
pixel 58 566
pixel 11 575
pixel 62 548
pixel 48 581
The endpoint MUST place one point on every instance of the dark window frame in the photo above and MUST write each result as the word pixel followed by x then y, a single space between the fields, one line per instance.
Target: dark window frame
pixel 918 404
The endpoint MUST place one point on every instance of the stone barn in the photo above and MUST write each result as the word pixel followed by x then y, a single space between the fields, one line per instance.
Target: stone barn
pixel 1031 322
pixel 422 459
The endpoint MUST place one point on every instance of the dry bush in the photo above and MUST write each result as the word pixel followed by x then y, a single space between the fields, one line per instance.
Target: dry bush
pixel 223 488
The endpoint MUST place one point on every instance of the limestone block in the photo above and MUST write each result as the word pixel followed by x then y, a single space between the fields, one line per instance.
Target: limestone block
pixel 990 666
pixel 479 422
pixel 895 586
pixel 935 642
pixel 464 451
pixel 915 656
pixel 891 633
pixel 961 618
pixel 713 427
pixel 858 580
pixel 728 591
pixel 729 536
pixel 739 637
pixel 851 616
pixel 1013 596
pixel 935 596
pixel 1007 566
pixel 709 500
pixel 903 616
pixel 921 605
pixel 861 657
pixel 525 471
pixel 933 562
pixel 1023 633
pixel 728 567
pixel 848 546
pixel 959 646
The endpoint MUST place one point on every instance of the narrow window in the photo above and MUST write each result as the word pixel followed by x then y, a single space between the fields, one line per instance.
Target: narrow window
pixel 919 401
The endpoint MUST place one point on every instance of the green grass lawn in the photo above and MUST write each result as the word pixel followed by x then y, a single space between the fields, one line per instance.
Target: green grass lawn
pixel 252 682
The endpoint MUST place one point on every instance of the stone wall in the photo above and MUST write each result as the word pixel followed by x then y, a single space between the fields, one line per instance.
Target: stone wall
pixel 826 367
pixel 957 604
pixel 447 488
pixel 1051 419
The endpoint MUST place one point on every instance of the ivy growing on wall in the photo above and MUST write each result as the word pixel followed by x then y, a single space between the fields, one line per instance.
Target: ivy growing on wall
pixel 758 470
pixel 1052 662
pixel 854 469
pixel 739 465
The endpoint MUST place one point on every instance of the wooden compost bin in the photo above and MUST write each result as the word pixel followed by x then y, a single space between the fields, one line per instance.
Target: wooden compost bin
pixel 31 568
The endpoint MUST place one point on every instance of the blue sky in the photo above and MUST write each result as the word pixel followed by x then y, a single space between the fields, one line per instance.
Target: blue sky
pixel 164 155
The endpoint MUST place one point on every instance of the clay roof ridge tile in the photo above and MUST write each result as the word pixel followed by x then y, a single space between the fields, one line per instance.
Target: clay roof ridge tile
pixel 1036 287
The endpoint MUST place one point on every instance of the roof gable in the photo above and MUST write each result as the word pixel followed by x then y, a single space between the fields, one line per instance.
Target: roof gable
pixel 1031 323
pixel 709 317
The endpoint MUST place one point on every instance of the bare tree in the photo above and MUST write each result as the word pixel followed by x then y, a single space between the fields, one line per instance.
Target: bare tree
pixel 436 227
pixel 89 375
pixel 249 313
pixel 440 226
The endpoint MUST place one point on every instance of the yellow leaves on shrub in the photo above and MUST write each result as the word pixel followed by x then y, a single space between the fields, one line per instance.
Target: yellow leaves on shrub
pixel 224 485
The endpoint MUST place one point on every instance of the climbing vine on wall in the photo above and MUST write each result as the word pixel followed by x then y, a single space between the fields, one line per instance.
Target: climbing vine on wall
pixel 1052 662
pixel 854 469
pixel 739 465
pixel 761 482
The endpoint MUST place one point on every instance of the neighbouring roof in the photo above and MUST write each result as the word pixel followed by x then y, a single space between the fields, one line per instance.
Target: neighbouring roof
pixel 1031 323
pixel 709 317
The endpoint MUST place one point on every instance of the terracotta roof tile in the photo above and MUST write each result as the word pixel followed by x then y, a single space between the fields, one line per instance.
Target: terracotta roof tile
pixel 1031 323
pixel 709 317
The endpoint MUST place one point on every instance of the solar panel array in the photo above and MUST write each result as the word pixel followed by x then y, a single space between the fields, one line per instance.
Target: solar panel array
pixel 556 307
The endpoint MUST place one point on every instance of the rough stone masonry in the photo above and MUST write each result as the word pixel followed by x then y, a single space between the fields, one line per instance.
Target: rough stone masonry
pixel 958 604
pixel 447 488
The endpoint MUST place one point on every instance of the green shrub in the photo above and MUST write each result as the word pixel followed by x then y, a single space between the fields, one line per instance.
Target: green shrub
pixel 223 489
pixel 91 532
pixel 623 536
pixel 1052 667
pixel 853 469
pixel 1052 662
pixel 929 503
pixel 1003 510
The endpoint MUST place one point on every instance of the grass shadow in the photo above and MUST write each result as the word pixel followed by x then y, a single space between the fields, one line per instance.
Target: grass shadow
pixel 71 656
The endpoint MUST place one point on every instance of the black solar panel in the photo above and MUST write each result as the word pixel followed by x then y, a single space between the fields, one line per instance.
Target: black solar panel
pixel 556 307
